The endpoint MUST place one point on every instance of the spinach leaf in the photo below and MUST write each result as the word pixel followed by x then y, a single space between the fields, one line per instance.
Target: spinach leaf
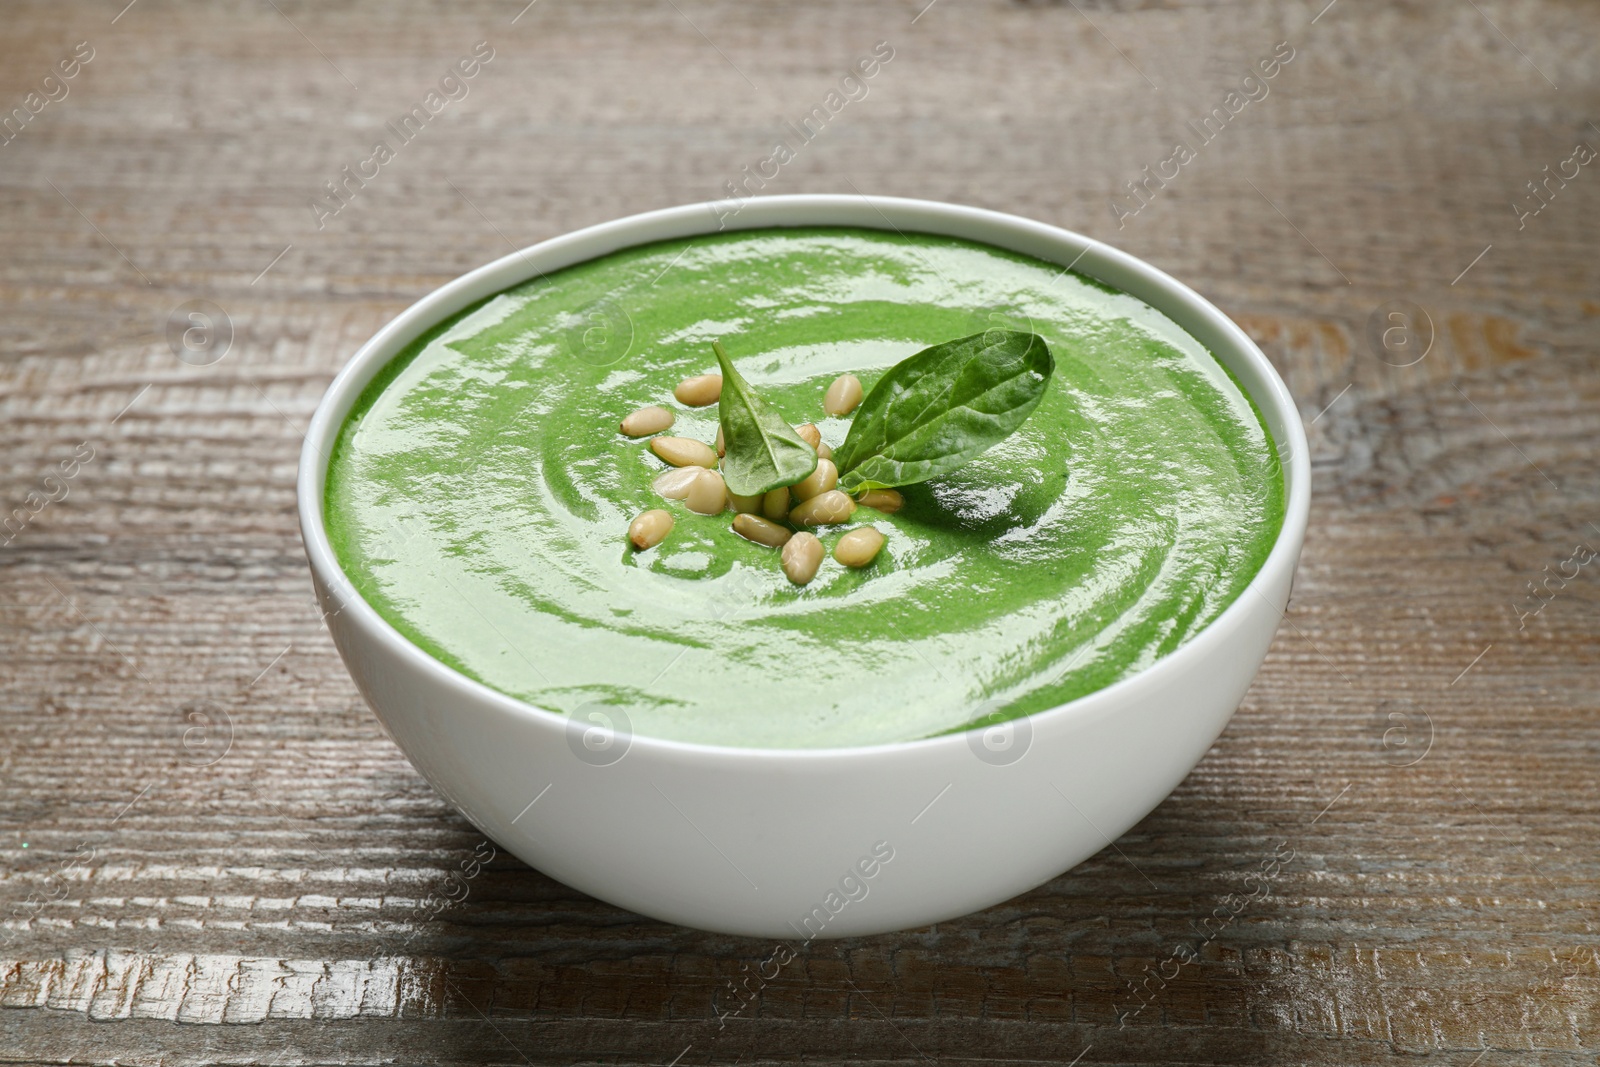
pixel 934 411
pixel 763 450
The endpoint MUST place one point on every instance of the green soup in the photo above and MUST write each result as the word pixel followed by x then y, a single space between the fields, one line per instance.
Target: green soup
pixel 480 493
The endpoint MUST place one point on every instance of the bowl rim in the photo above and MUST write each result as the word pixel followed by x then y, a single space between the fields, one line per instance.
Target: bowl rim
pixel 1271 396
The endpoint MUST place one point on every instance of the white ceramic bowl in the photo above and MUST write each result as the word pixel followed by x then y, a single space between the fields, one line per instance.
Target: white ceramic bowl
pixel 796 844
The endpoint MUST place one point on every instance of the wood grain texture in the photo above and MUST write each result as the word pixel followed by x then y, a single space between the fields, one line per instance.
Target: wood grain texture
pixel 209 852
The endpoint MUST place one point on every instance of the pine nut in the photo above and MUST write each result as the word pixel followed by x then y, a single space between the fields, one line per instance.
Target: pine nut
pixel 649 529
pixel 887 501
pixel 755 528
pixel 708 494
pixel 745 505
pixel 823 451
pixel 674 484
pixel 699 391
pixel 722 446
pixel 810 435
pixel 824 509
pixel 802 555
pixel 824 478
pixel 646 421
pixel 858 547
pixel 683 451
pixel 843 395
pixel 775 505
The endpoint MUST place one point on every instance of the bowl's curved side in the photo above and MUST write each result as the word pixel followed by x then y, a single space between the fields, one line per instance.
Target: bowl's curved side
pixel 795 844
pixel 899 836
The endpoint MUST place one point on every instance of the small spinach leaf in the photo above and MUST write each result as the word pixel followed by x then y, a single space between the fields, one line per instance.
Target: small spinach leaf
pixel 763 450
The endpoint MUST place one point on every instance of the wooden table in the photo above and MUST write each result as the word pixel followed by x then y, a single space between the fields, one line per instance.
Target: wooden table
pixel 211 853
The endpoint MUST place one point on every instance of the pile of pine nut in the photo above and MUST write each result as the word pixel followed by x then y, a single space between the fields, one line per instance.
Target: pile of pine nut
pixel 769 519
